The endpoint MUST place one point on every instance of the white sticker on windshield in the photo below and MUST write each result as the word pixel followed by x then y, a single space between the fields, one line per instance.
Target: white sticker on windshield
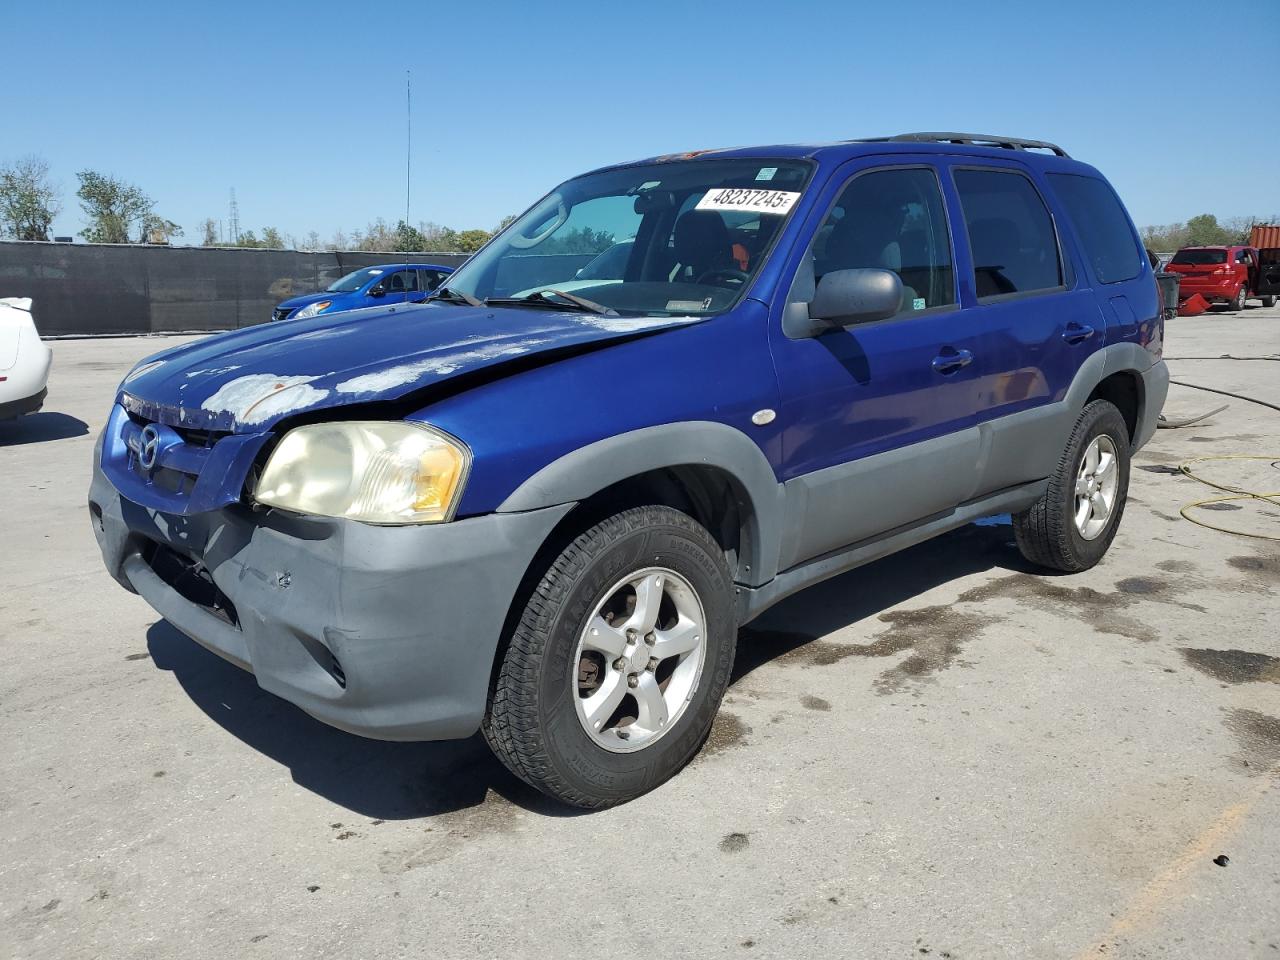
pixel 766 173
pixel 755 201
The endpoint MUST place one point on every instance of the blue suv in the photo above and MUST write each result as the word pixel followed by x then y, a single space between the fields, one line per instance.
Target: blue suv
pixel 545 513
pixel 378 286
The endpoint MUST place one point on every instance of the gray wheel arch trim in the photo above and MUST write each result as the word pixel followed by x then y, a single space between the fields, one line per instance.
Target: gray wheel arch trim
pixel 1124 357
pixel 590 469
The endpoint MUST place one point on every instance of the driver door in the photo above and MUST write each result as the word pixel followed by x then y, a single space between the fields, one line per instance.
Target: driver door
pixel 396 287
pixel 878 417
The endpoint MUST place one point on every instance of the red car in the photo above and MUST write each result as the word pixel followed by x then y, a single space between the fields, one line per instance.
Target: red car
pixel 1223 275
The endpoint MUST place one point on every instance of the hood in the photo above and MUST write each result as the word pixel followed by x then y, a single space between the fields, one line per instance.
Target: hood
pixel 247 380
pixel 293 303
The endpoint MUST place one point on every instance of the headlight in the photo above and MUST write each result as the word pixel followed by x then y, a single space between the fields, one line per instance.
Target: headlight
pixel 313 309
pixel 370 471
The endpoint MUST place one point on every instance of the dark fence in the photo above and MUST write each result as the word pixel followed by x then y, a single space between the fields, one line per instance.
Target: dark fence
pixel 86 289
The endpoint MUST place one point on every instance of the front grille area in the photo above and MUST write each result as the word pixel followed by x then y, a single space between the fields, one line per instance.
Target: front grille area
pixel 182 454
pixel 280 313
pixel 191 580
pixel 175 459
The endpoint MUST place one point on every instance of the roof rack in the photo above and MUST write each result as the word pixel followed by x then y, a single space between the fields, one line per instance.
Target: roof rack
pixel 973 139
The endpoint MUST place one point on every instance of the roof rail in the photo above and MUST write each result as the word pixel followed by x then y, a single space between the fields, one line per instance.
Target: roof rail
pixel 974 139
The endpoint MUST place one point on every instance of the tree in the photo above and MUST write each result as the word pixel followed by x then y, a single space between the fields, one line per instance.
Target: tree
pixel 272 239
pixel 114 207
pixel 469 241
pixel 1205 231
pixel 28 200
pixel 158 229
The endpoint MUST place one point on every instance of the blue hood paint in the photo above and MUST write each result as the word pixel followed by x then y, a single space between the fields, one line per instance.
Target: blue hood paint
pixel 248 380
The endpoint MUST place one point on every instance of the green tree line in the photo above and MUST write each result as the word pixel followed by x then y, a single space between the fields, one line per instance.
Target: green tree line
pixel 1202 231
pixel 117 211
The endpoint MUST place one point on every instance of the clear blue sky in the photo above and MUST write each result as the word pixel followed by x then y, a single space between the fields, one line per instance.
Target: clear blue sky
pixel 301 106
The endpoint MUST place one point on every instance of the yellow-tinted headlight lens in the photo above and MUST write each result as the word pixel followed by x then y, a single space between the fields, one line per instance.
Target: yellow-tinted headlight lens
pixel 371 471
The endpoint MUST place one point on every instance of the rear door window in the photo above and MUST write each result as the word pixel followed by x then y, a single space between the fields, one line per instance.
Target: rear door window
pixel 1102 226
pixel 1011 235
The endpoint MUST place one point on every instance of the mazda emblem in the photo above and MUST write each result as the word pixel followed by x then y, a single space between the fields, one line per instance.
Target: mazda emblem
pixel 149 448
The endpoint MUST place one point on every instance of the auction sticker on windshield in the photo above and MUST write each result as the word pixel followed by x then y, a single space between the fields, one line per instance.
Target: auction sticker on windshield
pixel 744 198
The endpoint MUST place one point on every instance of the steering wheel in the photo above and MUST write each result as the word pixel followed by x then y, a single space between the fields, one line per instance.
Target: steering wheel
pixel 724 273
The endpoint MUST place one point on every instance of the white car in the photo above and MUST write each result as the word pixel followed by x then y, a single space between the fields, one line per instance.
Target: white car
pixel 24 360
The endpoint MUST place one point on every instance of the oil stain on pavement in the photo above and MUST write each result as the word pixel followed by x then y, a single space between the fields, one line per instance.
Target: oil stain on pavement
pixel 1234 666
pixel 1258 735
pixel 933 636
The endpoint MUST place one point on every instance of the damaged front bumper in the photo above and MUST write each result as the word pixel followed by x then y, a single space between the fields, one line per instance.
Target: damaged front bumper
pixel 386 632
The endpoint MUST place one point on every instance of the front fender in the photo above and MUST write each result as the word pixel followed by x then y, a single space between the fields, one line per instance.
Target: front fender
pixel 590 469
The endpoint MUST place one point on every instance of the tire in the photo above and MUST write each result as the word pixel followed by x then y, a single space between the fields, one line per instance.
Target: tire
pixel 1241 296
pixel 1269 301
pixel 539 717
pixel 1048 533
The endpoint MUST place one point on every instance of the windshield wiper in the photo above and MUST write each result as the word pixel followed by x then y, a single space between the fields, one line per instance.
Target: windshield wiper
pixel 455 296
pixel 540 298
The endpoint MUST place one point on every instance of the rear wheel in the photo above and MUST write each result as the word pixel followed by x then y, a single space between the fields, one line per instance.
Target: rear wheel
pixel 615 670
pixel 1072 525
pixel 1241 296
pixel 1269 301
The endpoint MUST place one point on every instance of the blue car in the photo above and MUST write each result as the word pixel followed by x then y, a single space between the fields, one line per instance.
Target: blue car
pixel 544 513
pixel 382 285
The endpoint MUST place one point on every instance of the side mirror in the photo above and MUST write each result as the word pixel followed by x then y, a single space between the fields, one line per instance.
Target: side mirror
pixel 846 297
pixel 377 290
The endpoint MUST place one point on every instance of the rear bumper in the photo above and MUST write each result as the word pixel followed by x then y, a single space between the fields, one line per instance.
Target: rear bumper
pixel 18 408
pixel 1210 289
pixel 1155 388
pixel 386 632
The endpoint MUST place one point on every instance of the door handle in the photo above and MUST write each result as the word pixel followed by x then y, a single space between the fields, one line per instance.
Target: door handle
pixel 951 360
pixel 1077 332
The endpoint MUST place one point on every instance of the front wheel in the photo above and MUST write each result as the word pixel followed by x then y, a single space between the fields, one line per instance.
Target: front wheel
pixel 1241 296
pixel 1269 301
pixel 615 670
pixel 1071 526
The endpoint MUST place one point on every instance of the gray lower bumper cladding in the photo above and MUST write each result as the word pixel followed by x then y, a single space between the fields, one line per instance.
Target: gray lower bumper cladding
pixel 386 632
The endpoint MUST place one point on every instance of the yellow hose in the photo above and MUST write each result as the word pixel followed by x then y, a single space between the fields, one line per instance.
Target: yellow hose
pixel 1237 494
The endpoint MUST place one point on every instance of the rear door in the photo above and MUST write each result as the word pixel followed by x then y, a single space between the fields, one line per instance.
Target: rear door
pixel 1042 324
pixel 878 417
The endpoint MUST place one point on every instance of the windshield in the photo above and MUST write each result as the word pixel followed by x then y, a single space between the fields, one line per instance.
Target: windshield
pixel 354 281
pixel 1199 257
pixel 672 238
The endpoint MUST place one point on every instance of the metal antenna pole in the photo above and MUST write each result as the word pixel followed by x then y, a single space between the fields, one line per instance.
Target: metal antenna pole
pixel 408 146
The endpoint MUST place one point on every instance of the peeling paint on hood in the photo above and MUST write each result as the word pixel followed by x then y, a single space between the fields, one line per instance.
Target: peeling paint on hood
pixel 260 397
pixel 248 379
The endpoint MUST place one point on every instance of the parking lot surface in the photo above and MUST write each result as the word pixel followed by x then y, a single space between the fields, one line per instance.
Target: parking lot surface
pixel 943 754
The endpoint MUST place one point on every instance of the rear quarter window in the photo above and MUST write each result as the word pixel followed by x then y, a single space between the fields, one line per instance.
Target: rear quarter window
pixel 1102 226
